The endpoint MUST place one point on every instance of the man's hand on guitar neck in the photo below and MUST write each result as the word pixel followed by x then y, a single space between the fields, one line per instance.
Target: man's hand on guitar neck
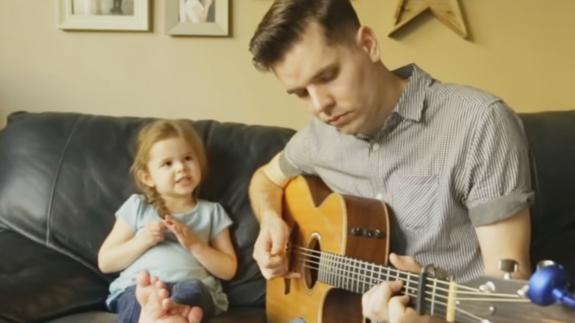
pixel 270 247
pixel 383 303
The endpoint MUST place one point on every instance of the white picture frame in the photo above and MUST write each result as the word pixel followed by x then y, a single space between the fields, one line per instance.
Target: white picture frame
pixel 198 17
pixel 131 15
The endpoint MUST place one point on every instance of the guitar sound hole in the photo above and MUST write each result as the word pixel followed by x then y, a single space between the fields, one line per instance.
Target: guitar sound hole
pixel 312 262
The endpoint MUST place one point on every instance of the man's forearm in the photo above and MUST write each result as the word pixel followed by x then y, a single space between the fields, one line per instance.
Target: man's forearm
pixel 265 196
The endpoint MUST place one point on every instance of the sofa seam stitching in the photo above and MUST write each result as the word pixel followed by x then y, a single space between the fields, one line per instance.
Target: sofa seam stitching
pixel 56 180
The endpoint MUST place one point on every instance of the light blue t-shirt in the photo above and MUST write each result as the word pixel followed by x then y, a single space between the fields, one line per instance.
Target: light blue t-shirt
pixel 168 260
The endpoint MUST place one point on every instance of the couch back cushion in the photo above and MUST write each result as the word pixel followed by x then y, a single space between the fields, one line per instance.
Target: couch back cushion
pixel 64 175
pixel 551 138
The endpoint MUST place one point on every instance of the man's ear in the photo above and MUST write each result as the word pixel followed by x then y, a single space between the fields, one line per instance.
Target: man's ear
pixel 144 177
pixel 367 41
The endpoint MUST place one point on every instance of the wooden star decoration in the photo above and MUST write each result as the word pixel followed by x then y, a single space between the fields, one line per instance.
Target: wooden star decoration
pixel 447 11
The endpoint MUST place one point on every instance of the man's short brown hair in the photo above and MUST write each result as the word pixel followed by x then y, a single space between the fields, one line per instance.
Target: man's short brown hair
pixel 286 20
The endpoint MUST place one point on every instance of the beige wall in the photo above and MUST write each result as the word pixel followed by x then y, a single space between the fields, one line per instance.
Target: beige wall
pixel 520 50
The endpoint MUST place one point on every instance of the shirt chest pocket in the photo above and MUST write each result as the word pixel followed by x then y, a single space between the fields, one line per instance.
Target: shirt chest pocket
pixel 414 200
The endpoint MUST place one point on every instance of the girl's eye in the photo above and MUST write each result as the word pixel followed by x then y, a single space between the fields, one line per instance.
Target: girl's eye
pixel 168 163
pixel 188 158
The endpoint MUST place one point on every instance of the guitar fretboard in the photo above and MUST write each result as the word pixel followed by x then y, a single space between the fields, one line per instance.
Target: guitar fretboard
pixel 359 276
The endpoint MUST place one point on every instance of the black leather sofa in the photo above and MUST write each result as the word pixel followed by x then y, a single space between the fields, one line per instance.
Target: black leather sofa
pixel 63 175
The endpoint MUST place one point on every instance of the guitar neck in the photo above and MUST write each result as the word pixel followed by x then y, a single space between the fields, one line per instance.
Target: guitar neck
pixel 359 276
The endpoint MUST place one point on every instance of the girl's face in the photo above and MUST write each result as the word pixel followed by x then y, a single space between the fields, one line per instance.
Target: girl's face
pixel 172 169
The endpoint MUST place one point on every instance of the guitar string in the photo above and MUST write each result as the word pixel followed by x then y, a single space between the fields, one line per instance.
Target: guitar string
pixel 510 297
pixel 411 291
pixel 388 269
pixel 437 310
pixel 398 273
pixel 352 265
pixel 409 275
pixel 432 302
pixel 312 253
pixel 494 297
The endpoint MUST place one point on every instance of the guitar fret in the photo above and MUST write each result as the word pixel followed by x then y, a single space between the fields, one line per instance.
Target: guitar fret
pixel 358 276
pixel 343 280
pixel 331 270
pixel 365 275
pixel 357 269
pixel 375 279
pixel 337 275
pixel 353 277
pixel 345 277
pixel 373 276
pixel 348 281
pixel 326 267
pixel 337 271
pixel 361 274
pixel 320 268
pixel 382 276
pixel 348 276
pixel 433 291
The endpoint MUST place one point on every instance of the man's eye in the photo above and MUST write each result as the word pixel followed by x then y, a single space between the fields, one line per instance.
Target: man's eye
pixel 325 78
pixel 301 94
pixel 328 76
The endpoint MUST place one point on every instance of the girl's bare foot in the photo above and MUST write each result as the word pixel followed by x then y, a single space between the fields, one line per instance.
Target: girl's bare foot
pixel 193 314
pixel 196 314
pixel 158 307
pixel 143 287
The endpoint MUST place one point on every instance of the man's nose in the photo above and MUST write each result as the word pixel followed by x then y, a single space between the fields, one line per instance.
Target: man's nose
pixel 321 100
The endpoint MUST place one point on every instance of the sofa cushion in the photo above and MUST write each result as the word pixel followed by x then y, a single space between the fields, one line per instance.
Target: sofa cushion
pixel 64 175
pixel 38 283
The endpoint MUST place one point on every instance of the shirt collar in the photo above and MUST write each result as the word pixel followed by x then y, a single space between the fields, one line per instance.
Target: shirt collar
pixel 411 103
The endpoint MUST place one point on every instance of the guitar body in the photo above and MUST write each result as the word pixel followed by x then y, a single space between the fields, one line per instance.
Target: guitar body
pixel 328 222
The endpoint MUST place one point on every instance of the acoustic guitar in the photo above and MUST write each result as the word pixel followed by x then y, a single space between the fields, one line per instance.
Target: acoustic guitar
pixel 339 245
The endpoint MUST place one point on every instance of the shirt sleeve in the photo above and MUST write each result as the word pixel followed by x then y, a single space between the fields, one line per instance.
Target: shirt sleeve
pixel 497 167
pixel 220 220
pixel 297 156
pixel 131 211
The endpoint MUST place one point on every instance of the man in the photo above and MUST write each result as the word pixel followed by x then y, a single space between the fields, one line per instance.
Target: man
pixel 450 161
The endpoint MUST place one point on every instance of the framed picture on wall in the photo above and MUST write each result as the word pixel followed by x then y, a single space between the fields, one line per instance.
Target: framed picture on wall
pixel 197 17
pixel 104 14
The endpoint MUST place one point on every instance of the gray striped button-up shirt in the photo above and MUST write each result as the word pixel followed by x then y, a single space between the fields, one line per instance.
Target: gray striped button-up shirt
pixel 449 158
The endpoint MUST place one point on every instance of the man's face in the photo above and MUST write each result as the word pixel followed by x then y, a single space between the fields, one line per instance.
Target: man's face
pixel 337 81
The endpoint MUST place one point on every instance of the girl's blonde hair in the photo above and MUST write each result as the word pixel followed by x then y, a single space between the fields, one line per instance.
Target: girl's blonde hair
pixel 160 130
